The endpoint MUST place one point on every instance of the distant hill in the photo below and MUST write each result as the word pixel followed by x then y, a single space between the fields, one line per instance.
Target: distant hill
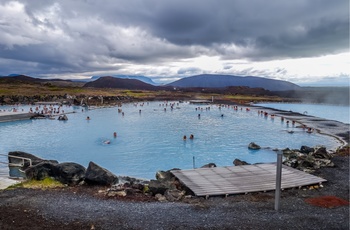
pixel 18 79
pixel 119 83
pixel 13 77
pixel 140 78
pixel 223 81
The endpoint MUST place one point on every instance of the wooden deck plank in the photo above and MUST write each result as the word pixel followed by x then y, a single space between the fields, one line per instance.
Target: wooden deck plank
pixel 242 179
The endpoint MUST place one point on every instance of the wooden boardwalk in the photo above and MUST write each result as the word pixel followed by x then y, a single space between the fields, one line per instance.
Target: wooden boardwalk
pixel 200 102
pixel 242 179
pixel 15 116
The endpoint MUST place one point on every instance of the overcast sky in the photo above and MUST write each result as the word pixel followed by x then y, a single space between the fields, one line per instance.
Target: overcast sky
pixel 301 41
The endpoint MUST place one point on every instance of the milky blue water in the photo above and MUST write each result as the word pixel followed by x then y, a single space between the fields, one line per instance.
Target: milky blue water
pixel 152 140
pixel 331 112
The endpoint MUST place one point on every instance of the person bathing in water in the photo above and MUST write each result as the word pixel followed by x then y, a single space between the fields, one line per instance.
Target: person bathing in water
pixel 310 130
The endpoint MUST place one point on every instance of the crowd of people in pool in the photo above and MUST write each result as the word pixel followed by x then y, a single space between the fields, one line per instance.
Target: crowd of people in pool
pixel 51 109
pixel 47 110
pixel 57 109
pixel 44 110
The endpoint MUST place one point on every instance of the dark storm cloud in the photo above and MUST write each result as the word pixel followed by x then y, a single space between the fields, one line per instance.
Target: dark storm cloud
pixel 330 38
pixel 83 36
pixel 271 28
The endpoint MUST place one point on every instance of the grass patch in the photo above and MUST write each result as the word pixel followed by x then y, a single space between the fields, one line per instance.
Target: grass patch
pixel 47 183
pixel 5 91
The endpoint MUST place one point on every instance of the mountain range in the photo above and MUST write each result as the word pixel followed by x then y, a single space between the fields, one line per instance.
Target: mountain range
pixel 198 81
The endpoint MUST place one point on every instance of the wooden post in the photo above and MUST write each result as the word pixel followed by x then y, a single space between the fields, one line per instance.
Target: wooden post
pixel 278 181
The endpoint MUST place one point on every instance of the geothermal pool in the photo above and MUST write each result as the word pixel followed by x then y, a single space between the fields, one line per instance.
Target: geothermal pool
pixel 150 137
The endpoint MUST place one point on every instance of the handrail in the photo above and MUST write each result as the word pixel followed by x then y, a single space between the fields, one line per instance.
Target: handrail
pixel 11 164
pixel 22 158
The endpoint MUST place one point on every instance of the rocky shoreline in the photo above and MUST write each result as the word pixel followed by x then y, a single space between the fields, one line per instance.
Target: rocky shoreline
pixel 88 207
pixel 165 186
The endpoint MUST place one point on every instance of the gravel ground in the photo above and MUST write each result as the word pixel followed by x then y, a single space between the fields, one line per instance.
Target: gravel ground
pixel 86 208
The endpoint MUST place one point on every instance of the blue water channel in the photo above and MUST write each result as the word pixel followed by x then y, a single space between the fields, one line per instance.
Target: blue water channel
pixel 150 137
